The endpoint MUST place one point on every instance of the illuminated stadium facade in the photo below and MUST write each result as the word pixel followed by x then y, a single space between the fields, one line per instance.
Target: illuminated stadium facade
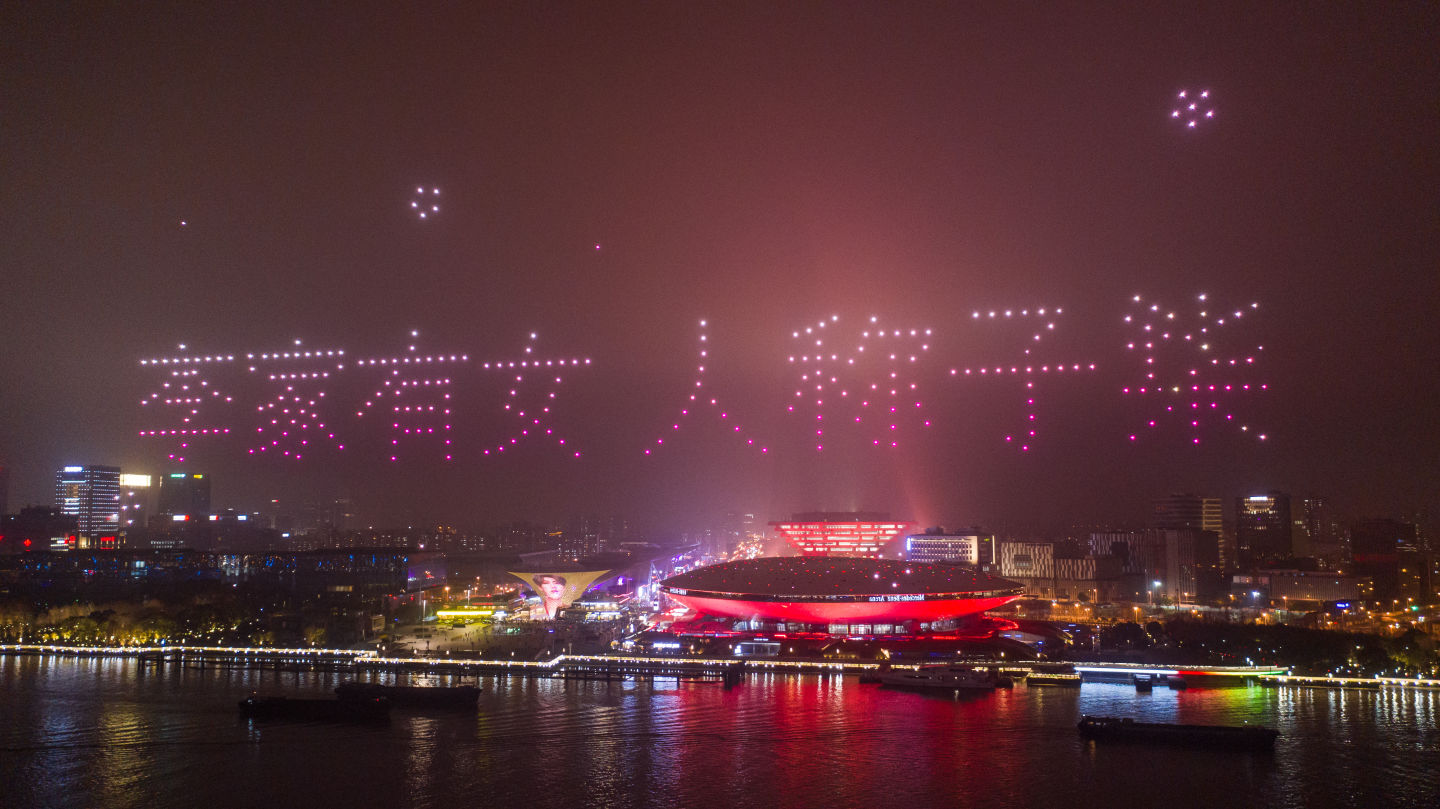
pixel 839 590
pixel 840 534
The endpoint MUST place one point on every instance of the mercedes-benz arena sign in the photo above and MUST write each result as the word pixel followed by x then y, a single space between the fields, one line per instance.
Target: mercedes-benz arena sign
pixel 823 590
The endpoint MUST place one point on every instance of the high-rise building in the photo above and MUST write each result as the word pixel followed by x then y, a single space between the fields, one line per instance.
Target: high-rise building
pixel 1264 529
pixel 1388 552
pixel 91 494
pixel 1187 511
pixel 184 494
pixel 1323 533
pixel 4 489
pixel 136 492
pixel 591 534
pixel 1157 563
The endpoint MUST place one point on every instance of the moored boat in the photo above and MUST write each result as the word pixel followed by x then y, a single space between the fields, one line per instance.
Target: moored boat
pixel 1234 737
pixel 1053 680
pixel 335 710
pixel 942 678
pixel 460 696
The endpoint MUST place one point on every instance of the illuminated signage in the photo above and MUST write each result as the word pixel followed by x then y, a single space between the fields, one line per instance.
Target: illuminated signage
pixel 839 538
pixel 135 481
pixel 561 589
pixel 472 612
pixel 74 469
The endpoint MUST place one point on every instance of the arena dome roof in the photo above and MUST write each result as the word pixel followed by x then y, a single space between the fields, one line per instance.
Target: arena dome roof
pixel 835 589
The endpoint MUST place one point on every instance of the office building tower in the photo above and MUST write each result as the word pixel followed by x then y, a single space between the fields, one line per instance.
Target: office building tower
pixel 184 493
pixel 1187 511
pixel 91 494
pixel 964 548
pixel 1264 529
pixel 1388 552
pixel 1157 563
pixel 136 492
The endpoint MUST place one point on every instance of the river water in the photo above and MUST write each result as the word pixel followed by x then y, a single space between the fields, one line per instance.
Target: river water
pixel 99 733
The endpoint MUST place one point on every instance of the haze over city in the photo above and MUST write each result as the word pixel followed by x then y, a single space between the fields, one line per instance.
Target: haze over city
pixel 238 178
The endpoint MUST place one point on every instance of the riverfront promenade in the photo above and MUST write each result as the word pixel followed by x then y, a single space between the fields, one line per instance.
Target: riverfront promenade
pixel 651 665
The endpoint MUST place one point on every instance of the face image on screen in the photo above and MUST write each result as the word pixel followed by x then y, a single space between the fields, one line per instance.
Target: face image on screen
pixel 558 590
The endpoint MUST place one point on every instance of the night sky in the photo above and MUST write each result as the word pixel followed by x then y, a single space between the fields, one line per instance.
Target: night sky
pixel 760 166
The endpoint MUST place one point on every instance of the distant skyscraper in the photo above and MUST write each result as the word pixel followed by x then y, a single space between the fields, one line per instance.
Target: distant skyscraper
pixel 1388 551
pixel 91 494
pixel 136 492
pixel 1264 530
pixel 4 489
pixel 182 493
pixel 1187 511
pixel 1323 533
pixel 1157 562
pixel 591 534
pixel 1204 516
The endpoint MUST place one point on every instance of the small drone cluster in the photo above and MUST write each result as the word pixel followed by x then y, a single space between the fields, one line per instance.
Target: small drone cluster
pixel 1193 108
pixel 425 203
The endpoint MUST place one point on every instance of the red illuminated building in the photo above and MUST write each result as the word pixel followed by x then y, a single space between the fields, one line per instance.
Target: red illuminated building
pixel 841 534
pixel 839 590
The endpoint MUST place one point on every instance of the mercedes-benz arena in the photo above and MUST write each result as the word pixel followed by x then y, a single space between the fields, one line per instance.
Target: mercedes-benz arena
pixel 829 590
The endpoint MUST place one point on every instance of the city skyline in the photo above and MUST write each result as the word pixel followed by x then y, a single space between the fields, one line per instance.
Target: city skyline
pixel 606 179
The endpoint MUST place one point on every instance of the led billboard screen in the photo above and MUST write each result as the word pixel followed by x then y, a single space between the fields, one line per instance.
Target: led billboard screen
pixel 558 590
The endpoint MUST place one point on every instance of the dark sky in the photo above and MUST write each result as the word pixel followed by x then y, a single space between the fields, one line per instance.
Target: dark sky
pixel 762 166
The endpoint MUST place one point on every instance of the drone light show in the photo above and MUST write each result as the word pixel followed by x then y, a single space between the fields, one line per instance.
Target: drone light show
pixel 290 400
pixel 1027 366
pixel 425 202
pixel 415 398
pixel 533 415
pixel 870 385
pixel 1193 109
pixel 1195 371
pixel 185 389
pixel 859 383
pixel 700 400
pixel 291 419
